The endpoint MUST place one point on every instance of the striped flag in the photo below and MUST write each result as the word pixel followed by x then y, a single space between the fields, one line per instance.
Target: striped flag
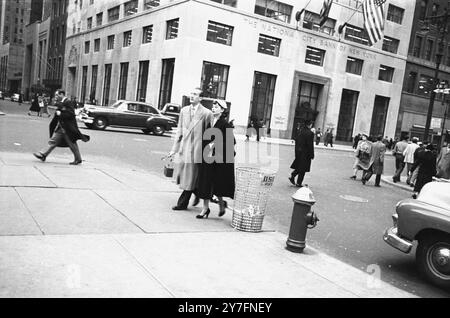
pixel 373 19
pixel 325 11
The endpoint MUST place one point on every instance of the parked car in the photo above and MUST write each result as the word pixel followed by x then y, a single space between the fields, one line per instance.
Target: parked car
pixel 172 111
pixel 426 220
pixel 127 114
pixel 15 97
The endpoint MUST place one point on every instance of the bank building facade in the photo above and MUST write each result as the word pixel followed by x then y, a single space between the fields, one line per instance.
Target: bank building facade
pixel 269 60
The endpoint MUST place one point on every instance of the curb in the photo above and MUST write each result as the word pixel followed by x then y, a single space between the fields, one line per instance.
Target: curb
pixel 400 185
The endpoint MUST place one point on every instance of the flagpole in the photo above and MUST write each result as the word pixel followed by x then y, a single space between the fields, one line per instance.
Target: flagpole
pixel 299 14
pixel 342 26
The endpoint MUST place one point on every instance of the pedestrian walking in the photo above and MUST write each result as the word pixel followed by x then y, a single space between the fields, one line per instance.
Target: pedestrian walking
pixel 35 106
pixel 376 162
pixel 409 157
pixel 426 163
pixel 249 129
pixel 44 109
pixel 64 130
pixel 363 156
pixel 443 163
pixel 326 138
pixel 304 154
pixel 318 136
pixel 398 151
pixel 216 175
pixel 356 140
pixel 194 120
pixel 414 173
pixel 329 137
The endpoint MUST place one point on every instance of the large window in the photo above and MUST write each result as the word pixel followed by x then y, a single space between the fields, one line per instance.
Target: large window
pixel 354 65
pixel 429 49
pixel 355 34
pixel 314 56
pixel 111 41
pixel 417 46
pixel 99 19
pixel 347 112
pixel 386 73
pixel 395 14
pixel 215 80
pixel 107 84
pixel 113 14
pixel 96 45
pixel 411 82
pixel 231 3
pixel 423 9
pixel 87 47
pixel 123 79
pixel 390 44
pixel 263 93
pixel 149 4
pixel 219 33
pixel 83 84
pixel 127 38
pixel 274 9
pixel 269 45
pixel 165 92
pixel 311 21
pixel 142 81
pixel 147 34
pixel 93 91
pixel 89 23
pixel 172 29
pixel 130 8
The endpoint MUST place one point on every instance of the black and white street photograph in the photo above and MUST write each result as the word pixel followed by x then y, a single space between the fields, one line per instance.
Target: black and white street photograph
pixel 217 150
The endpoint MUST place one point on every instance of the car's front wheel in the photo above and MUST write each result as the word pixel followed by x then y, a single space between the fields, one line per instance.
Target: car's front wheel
pixel 100 123
pixel 433 258
pixel 159 130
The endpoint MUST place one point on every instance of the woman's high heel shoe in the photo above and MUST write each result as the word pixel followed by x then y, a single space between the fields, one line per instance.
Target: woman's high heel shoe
pixel 206 215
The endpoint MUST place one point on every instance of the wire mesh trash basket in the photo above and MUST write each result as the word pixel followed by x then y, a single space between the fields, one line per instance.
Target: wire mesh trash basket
pixel 253 186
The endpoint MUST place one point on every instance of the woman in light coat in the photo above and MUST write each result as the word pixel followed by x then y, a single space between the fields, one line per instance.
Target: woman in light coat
pixel 363 156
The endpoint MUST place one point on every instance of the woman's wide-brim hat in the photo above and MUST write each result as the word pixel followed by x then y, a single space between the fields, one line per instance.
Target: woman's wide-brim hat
pixel 221 103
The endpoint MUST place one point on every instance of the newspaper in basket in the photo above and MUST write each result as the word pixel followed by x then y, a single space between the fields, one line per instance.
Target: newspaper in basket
pixel 253 186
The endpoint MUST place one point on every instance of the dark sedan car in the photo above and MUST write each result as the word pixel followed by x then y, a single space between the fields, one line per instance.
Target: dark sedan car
pixel 127 114
pixel 426 220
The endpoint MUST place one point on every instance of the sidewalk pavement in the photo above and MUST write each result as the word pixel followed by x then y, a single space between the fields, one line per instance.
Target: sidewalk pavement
pixel 107 230
pixel 402 184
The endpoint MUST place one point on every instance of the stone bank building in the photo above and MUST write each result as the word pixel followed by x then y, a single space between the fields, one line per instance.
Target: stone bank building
pixel 264 57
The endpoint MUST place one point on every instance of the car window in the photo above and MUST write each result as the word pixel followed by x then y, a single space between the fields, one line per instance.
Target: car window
pixel 152 110
pixel 133 107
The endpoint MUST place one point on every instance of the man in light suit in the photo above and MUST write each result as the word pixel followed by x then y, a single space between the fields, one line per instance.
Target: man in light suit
pixel 193 122
pixel 376 162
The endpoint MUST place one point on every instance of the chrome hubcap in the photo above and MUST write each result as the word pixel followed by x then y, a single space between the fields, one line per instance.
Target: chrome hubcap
pixel 439 260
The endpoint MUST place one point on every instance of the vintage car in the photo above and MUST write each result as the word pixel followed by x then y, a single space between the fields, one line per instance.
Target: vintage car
pixel 15 97
pixel 127 114
pixel 426 220
pixel 172 111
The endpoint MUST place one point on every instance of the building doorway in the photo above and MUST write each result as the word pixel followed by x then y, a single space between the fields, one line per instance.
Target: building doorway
pixel 379 116
pixel 347 113
pixel 165 93
pixel 262 98
pixel 307 104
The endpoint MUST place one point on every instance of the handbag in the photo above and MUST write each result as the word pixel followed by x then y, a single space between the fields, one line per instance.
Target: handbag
pixel 168 167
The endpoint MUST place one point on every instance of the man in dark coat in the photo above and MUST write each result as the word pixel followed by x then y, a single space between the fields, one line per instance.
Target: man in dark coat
pixel 64 130
pixel 304 153
pixel 426 163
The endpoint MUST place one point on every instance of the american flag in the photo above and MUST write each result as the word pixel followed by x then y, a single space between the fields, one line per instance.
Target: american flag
pixel 373 19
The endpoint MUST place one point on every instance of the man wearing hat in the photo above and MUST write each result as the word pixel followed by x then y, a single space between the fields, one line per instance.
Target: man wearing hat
pixel 304 153
pixel 194 120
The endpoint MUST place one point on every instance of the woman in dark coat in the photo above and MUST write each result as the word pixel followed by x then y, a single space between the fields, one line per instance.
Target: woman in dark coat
pixel 216 176
pixel 304 153
pixel 426 163
pixel 35 106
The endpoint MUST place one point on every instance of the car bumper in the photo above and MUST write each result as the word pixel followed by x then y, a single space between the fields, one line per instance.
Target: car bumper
pixel 87 120
pixel 391 237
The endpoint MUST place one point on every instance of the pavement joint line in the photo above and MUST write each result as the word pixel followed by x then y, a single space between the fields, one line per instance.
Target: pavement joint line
pixel 43 174
pixel 29 211
pixel 107 174
pixel 148 271
pixel 117 210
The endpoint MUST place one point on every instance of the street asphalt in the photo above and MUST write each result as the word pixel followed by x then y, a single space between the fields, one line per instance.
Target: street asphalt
pixel 353 217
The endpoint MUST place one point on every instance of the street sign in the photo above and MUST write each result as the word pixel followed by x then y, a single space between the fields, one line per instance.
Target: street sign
pixel 442 91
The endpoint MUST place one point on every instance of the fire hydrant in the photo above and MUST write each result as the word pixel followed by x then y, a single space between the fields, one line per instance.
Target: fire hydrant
pixel 302 219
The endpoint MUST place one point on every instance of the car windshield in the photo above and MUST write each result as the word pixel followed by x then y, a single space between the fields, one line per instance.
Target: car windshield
pixel 116 104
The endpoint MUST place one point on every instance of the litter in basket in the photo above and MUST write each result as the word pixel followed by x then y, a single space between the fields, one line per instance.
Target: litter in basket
pixel 253 186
